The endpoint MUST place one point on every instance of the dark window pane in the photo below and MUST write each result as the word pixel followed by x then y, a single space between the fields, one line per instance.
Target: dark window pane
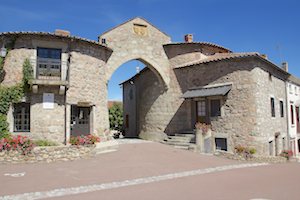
pixel 21 117
pixel 49 62
pixel 215 108
pixel 292 114
pixel 272 107
pixel 221 144
pixel 281 109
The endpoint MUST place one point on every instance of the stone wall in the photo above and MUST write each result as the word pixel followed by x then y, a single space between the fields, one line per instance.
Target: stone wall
pixel 269 84
pixel 129 109
pixel 181 53
pixel 14 64
pixel 48 154
pixel 238 116
pixel 47 123
pixel 87 85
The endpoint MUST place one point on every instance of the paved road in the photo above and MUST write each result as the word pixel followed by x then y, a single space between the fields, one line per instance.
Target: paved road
pixel 151 171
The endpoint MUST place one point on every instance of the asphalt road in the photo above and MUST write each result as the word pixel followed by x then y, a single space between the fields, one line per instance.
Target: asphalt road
pixel 150 171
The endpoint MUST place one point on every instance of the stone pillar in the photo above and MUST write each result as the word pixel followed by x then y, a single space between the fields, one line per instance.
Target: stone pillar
pixel 68 123
pixel 199 140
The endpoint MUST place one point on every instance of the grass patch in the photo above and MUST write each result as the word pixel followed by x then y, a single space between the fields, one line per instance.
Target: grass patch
pixel 45 143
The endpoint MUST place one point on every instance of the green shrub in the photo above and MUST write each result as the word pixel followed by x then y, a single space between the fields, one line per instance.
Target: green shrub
pixel 3 126
pixel 252 151
pixel 45 143
pixel 116 117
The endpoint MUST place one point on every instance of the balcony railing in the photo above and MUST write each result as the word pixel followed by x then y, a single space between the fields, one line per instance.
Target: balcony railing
pixel 48 68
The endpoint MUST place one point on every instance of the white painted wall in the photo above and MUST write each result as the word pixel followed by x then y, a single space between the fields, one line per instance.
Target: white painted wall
pixel 293 98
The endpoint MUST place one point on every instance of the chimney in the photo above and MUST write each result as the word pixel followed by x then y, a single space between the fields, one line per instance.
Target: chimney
pixel 188 38
pixel 285 66
pixel 265 56
pixel 62 32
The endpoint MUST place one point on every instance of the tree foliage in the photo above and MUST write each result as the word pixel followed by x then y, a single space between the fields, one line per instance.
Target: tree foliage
pixel 116 117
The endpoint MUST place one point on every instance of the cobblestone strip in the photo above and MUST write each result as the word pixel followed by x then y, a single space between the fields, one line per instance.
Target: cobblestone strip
pixel 105 186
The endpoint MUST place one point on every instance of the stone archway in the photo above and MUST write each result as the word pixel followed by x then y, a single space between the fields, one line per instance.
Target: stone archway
pixel 137 40
pixel 154 67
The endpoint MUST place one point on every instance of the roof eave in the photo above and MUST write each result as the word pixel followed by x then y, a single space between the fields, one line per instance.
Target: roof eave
pixel 200 43
pixel 3 34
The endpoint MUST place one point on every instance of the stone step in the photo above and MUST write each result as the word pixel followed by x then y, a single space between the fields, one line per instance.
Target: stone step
pixel 178 143
pixel 104 147
pixel 178 139
pixel 181 140
pixel 184 135
pixel 182 147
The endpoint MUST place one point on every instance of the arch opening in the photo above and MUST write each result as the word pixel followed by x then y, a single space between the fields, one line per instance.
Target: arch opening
pixel 128 86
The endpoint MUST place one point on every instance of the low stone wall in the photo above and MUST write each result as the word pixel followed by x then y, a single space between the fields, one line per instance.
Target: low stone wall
pixel 48 154
pixel 268 159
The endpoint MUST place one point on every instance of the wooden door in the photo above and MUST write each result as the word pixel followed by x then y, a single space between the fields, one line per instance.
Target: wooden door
pixel 80 120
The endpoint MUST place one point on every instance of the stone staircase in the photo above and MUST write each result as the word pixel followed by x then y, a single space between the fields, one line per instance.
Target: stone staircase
pixel 184 141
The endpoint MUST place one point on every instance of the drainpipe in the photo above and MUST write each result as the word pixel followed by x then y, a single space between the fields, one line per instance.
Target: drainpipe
pixel 285 68
pixel 287 114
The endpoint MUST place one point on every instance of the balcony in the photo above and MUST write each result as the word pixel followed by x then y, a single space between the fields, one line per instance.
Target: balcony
pixel 50 72
pixel 48 68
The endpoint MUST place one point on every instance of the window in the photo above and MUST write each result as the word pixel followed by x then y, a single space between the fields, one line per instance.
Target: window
pixel 21 117
pixel 272 107
pixel 201 111
pixel 215 107
pixel 290 88
pixel 221 144
pixel 296 91
pixel 281 109
pixel 292 114
pixel 48 62
pixel 297 117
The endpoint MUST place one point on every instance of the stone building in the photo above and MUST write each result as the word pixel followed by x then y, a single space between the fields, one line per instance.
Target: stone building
pixel 293 114
pixel 242 95
pixel 68 92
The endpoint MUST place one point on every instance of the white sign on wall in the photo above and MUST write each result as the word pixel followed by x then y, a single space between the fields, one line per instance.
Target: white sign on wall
pixel 48 100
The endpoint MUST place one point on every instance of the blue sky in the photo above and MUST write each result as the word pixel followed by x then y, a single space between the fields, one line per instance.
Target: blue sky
pixel 264 26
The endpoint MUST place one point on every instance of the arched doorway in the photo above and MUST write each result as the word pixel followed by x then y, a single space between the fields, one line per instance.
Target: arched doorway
pixel 133 92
